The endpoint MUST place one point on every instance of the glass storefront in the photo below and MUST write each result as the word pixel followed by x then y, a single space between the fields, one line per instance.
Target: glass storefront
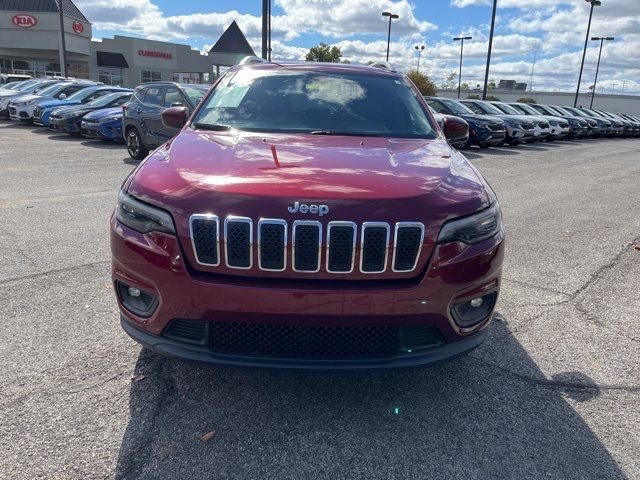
pixel 111 76
pixel 147 76
pixel 190 77
pixel 37 68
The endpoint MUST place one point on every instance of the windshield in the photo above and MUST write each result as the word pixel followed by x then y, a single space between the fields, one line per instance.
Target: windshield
pixel 81 94
pixel 52 89
pixel 297 100
pixel 107 99
pixel 486 107
pixel 457 107
pixel 528 109
pixel 195 94
pixel 27 86
pixel 507 109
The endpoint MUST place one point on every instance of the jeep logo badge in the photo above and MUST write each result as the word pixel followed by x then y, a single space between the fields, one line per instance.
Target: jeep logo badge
pixel 298 207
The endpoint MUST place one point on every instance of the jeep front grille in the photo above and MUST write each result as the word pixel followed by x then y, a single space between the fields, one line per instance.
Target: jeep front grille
pixel 340 241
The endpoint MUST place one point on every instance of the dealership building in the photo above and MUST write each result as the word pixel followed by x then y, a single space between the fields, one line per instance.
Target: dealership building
pixel 30 43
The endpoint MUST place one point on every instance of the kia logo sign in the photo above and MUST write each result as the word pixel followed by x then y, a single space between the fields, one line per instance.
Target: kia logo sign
pixel 23 20
pixel 78 27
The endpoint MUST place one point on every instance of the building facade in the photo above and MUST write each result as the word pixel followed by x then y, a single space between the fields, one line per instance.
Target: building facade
pixel 30 41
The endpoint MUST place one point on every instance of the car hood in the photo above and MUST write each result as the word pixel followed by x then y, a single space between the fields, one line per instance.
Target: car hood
pixel 55 103
pixel 513 118
pixel 104 112
pixel 482 119
pixel 73 109
pixel 10 93
pixel 379 177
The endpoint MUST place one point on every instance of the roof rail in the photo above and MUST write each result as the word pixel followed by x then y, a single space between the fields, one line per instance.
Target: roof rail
pixel 249 59
pixel 383 65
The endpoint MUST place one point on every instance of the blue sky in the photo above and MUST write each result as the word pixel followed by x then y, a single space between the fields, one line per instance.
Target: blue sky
pixel 552 31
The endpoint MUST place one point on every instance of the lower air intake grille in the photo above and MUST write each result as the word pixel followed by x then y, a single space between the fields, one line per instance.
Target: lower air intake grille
pixel 303 341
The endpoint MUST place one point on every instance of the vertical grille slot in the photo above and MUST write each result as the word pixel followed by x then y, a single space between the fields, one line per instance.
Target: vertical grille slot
pixel 341 244
pixel 407 245
pixel 272 242
pixel 374 245
pixel 205 237
pixel 307 237
pixel 238 238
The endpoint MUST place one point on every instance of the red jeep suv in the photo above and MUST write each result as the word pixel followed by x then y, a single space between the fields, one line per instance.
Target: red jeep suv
pixel 307 215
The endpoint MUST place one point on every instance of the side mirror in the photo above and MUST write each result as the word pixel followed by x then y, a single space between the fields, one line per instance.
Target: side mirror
pixel 455 128
pixel 62 96
pixel 174 117
pixel 443 111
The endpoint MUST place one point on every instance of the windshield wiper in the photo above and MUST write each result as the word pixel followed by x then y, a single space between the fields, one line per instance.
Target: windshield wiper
pixel 216 127
pixel 346 134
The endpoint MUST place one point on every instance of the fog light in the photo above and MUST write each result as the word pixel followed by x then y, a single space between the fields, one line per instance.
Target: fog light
pixel 135 300
pixel 476 302
pixel 474 311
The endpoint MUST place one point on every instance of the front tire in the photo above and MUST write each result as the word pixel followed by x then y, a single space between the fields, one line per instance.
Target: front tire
pixel 135 147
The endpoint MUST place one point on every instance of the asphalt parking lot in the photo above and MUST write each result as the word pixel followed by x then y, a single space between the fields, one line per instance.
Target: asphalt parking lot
pixel 554 392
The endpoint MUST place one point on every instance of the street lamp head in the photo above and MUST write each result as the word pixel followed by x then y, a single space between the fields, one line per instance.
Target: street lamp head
pixel 455 39
pixel 419 47
pixel 594 3
pixel 389 14
pixel 609 38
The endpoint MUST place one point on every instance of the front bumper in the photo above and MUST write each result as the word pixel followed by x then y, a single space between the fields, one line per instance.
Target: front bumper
pixel 155 263
pixel 102 131
pixel 64 126
pixel 20 112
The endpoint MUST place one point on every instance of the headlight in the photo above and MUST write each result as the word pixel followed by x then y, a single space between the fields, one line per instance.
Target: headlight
pixel 141 217
pixel 474 228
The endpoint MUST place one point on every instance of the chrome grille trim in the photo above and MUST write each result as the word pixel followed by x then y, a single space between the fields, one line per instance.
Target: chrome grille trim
pixel 235 219
pixel 365 226
pixel 400 225
pixel 272 221
pixel 210 217
pixel 354 227
pixel 296 224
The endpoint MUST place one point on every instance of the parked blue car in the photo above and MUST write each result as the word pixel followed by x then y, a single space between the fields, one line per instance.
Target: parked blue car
pixel 69 119
pixel 105 124
pixel 484 130
pixel 43 111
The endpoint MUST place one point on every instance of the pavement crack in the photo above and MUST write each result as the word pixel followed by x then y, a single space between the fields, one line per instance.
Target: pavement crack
pixel 559 384
pixel 52 272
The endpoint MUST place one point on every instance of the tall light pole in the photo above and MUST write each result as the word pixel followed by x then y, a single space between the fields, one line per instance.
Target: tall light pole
pixel 486 72
pixel 594 3
pixel 63 43
pixel 420 49
pixel 461 39
pixel 623 84
pixel 601 40
pixel 392 16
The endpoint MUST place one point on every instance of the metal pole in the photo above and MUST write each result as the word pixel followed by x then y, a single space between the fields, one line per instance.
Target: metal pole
pixel 269 17
pixel 265 28
pixel 388 38
pixel 584 54
pixel 63 44
pixel 623 82
pixel 418 70
pixel 460 71
pixel 593 92
pixel 486 73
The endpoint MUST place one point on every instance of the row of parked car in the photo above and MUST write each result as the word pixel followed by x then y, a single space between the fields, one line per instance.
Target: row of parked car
pixel 492 123
pixel 94 110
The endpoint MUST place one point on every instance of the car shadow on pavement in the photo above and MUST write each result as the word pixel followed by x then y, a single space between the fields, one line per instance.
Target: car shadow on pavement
pixel 467 418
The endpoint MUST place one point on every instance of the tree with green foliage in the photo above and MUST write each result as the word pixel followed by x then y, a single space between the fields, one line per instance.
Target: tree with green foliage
pixel 324 53
pixel 423 82
pixel 473 96
pixel 491 85
pixel 449 80
pixel 493 98
pixel 526 100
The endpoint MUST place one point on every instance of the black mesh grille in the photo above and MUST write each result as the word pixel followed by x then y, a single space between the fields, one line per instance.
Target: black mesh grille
pixel 272 251
pixel 189 331
pixel 374 249
pixel 303 341
pixel 238 244
pixel 407 247
pixel 341 245
pixel 205 238
pixel 306 240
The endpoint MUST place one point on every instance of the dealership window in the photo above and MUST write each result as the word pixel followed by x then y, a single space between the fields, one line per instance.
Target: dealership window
pixel 147 76
pixel 111 76
pixel 192 77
